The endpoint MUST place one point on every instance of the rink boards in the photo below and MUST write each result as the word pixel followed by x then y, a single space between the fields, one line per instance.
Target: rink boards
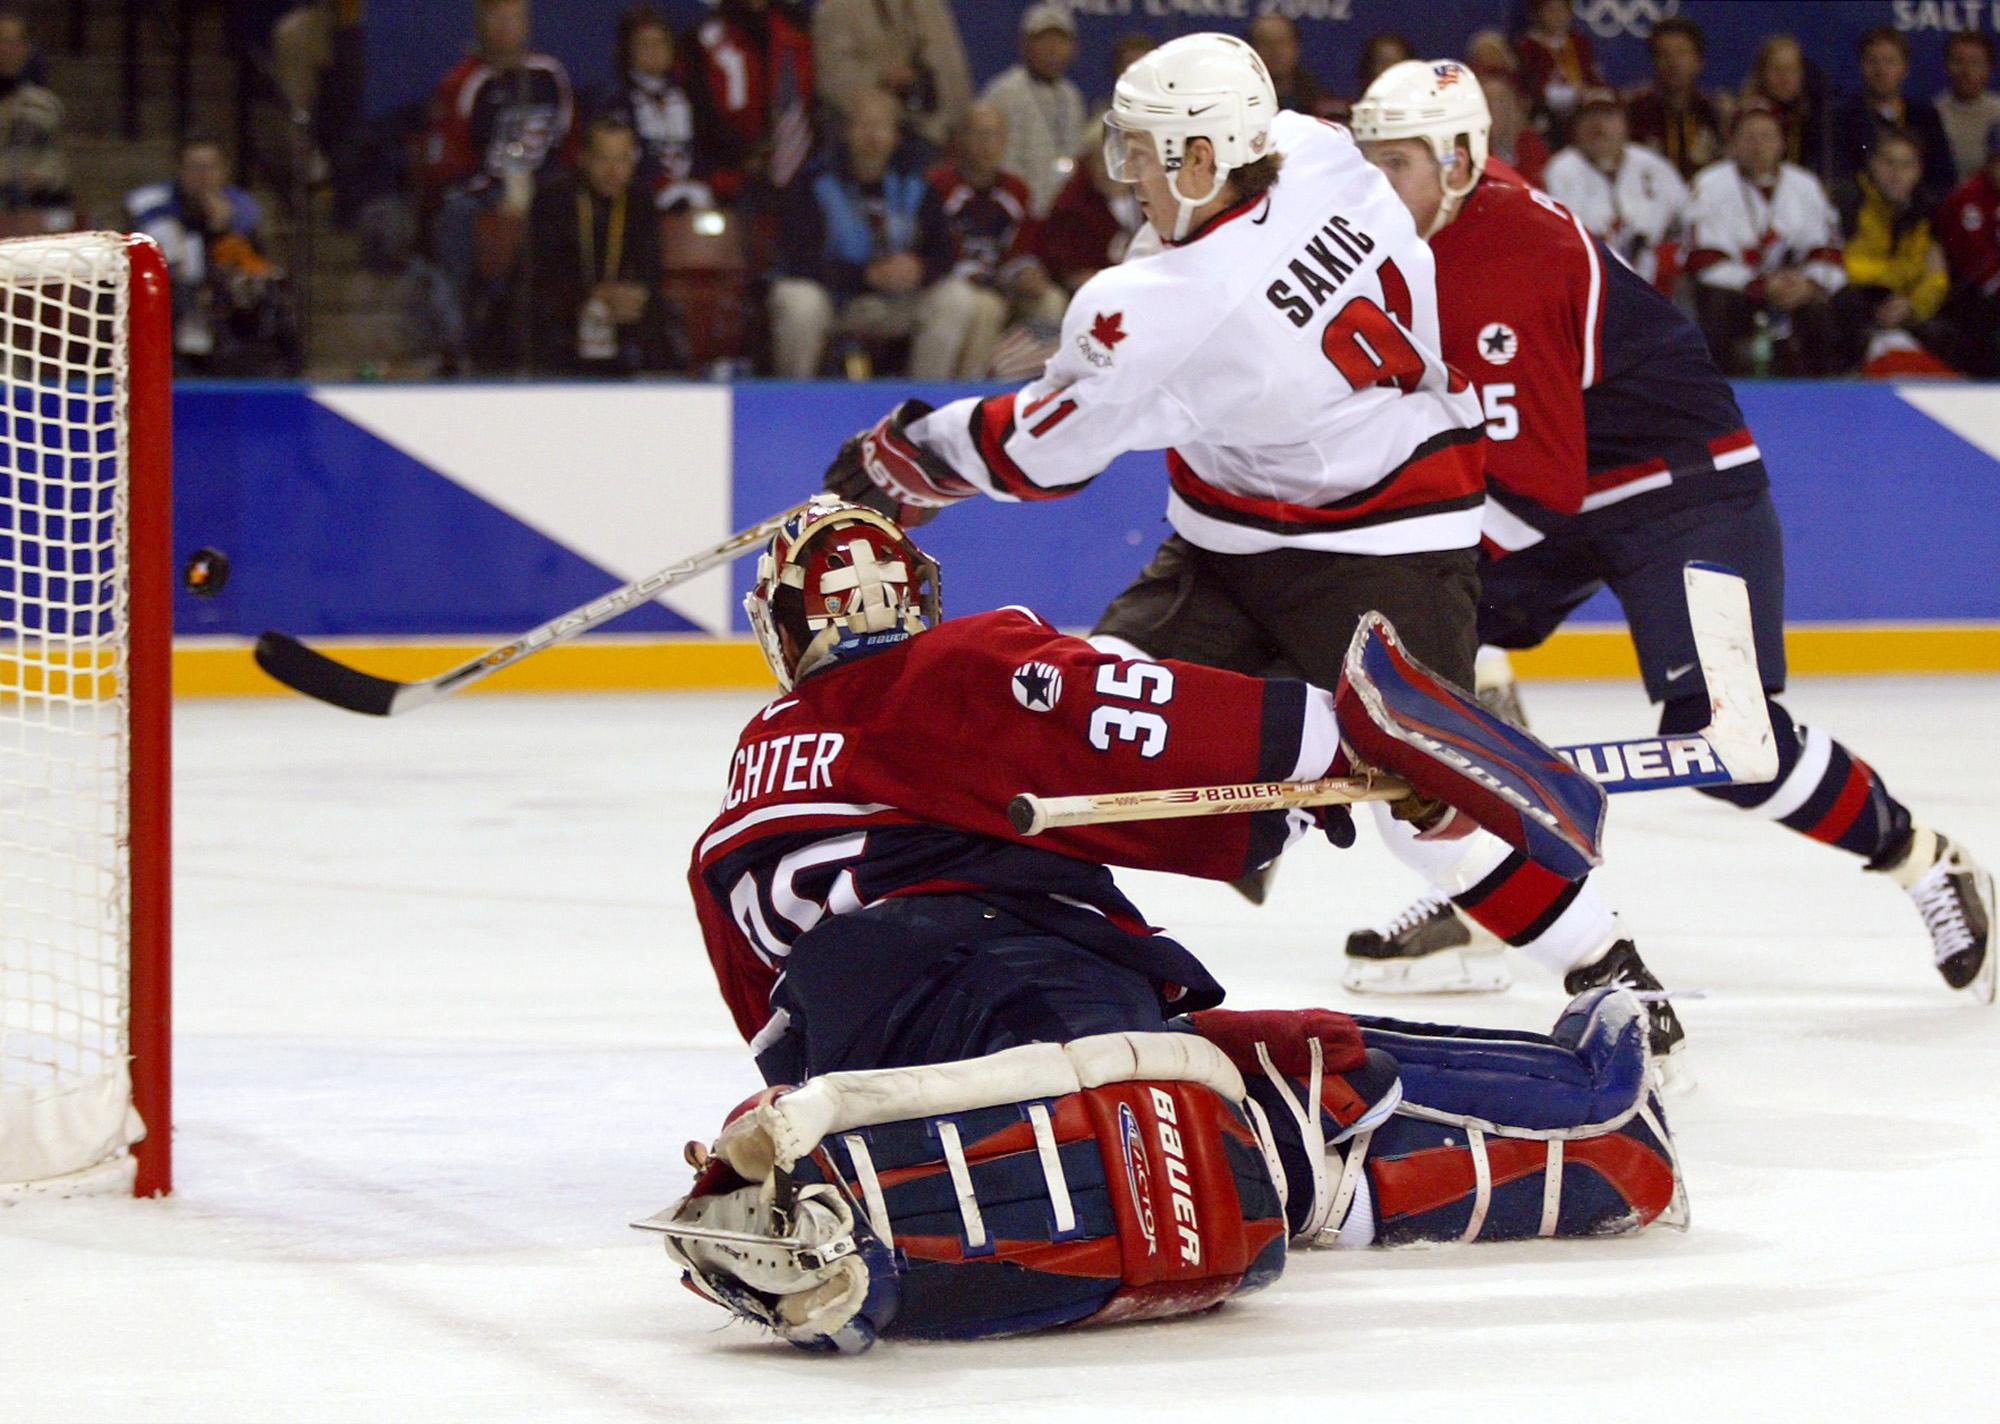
pixel 413 526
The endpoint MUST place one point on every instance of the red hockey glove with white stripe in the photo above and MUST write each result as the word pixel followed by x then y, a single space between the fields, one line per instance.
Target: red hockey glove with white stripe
pixel 887 471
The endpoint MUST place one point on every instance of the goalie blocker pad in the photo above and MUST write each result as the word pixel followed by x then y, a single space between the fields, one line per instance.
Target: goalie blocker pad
pixel 1398 715
pixel 1114 1178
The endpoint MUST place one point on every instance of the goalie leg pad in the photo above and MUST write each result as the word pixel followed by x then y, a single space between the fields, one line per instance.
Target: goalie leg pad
pixel 1113 1178
pixel 1503 1136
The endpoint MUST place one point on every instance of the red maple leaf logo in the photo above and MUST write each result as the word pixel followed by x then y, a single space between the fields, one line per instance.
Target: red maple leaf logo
pixel 1108 331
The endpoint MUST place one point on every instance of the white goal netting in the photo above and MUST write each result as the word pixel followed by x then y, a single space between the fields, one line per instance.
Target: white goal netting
pixel 65 884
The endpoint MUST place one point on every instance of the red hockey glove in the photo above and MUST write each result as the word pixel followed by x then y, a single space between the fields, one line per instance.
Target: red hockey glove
pixel 887 471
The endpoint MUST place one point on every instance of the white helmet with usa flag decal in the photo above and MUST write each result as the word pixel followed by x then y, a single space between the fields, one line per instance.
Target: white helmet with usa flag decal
pixel 1438 101
pixel 1211 86
pixel 839 580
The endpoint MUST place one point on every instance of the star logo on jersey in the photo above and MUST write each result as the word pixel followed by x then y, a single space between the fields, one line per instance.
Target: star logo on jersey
pixel 1498 344
pixel 1037 687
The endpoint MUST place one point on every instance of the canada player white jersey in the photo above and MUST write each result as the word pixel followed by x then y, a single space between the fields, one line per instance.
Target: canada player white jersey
pixel 1643 204
pixel 1287 358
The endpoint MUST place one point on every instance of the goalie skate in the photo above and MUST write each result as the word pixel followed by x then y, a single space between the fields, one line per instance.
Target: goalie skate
pixel 1428 949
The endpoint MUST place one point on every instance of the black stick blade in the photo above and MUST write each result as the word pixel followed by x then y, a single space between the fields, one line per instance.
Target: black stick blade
pixel 319 676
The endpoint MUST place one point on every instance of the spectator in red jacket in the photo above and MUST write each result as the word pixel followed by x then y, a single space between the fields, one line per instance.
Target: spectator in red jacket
pixel 754 91
pixel 1557 64
pixel 1969 227
pixel 1093 221
pixel 498 118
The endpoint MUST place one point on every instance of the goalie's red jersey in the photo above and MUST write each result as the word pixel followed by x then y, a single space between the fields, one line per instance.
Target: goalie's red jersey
pixel 889 775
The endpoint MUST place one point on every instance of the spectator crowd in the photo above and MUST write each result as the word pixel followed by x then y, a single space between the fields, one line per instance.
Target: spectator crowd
pixel 810 190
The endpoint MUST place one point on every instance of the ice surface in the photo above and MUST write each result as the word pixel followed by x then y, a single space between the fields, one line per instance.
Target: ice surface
pixel 445 1022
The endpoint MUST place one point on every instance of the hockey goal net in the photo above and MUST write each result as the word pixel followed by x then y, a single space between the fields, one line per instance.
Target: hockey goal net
pixel 85 649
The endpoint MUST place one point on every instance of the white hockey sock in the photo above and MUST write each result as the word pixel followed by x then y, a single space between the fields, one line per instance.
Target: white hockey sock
pixel 1580 933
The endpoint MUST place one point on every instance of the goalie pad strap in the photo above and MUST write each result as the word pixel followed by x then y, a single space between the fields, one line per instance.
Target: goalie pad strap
pixel 1311 1071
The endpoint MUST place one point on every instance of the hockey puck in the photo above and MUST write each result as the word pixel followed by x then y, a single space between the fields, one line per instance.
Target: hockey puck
pixel 207 573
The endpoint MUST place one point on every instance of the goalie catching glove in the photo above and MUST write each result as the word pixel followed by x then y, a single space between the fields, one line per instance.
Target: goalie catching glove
pixel 885 470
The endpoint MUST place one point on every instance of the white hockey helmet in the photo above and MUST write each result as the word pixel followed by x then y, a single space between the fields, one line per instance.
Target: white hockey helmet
pixel 844 579
pixel 1210 86
pixel 1438 101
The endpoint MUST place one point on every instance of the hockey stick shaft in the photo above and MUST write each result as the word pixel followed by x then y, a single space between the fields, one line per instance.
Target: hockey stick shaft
pixel 1639 764
pixel 318 676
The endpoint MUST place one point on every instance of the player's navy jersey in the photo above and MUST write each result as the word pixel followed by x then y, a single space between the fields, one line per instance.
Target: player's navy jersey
pixel 1597 389
pixel 1285 354
pixel 890 776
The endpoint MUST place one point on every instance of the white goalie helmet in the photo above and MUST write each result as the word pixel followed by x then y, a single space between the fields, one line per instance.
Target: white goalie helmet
pixel 1438 101
pixel 1210 86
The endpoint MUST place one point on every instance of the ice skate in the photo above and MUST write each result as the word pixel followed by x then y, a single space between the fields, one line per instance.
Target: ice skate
pixel 1954 894
pixel 1620 964
pixel 1428 949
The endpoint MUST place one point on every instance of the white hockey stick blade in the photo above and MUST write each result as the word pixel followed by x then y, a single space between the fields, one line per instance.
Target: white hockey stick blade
pixel 1739 728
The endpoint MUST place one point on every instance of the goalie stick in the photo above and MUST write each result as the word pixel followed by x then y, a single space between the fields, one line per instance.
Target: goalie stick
pixel 1738 745
pixel 319 676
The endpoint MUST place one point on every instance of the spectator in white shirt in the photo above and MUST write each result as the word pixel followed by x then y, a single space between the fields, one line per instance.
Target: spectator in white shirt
pixel 1624 192
pixel 1764 250
pixel 1045 111
pixel 1968 108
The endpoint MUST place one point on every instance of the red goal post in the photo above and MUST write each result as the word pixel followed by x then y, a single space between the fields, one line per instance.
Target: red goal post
pixel 86 635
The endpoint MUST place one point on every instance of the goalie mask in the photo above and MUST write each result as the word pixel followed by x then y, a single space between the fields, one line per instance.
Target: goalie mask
pixel 840 580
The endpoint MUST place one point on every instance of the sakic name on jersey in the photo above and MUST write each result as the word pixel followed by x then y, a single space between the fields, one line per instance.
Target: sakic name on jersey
pixel 1338 232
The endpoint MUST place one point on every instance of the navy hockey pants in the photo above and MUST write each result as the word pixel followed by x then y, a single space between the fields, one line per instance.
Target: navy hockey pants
pixel 933 979
pixel 1526 596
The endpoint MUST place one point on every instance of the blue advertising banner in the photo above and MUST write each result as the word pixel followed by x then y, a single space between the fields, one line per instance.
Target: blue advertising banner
pixel 440 511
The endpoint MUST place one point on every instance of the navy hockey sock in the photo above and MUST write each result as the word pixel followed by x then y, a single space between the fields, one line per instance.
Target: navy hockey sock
pixel 1822 790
